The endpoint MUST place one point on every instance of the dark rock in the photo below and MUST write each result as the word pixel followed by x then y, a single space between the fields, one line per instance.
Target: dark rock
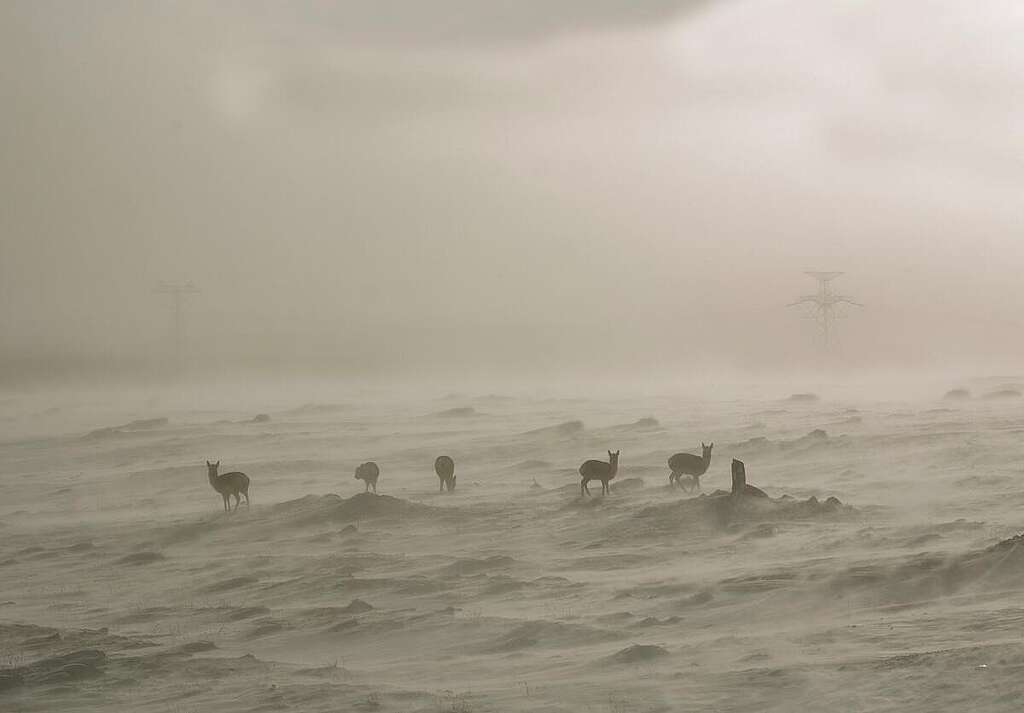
pixel 638 653
pixel 138 558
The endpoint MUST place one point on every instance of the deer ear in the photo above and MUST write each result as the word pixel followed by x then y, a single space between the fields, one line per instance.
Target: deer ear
pixel 217 463
pixel 207 463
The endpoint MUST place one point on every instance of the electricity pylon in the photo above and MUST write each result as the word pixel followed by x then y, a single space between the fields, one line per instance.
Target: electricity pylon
pixel 825 305
pixel 178 292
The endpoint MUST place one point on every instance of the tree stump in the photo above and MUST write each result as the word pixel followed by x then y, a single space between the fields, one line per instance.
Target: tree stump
pixel 740 487
pixel 739 478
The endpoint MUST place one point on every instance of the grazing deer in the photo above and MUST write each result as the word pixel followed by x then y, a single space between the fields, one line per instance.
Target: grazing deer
pixel 368 473
pixel 445 469
pixel 691 466
pixel 599 470
pixel 228 484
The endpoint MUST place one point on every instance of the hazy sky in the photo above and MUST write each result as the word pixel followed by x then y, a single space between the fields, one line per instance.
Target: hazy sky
pixel 512 182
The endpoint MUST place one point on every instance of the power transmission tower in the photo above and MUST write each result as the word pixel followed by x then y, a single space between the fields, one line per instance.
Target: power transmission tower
pixel 825 305
pixel 178 292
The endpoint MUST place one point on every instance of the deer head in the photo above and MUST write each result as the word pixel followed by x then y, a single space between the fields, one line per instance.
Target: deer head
pixel 706 450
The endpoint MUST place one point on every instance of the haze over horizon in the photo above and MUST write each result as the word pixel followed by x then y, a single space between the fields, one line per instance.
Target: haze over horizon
pixel 496 383
pixel 515 186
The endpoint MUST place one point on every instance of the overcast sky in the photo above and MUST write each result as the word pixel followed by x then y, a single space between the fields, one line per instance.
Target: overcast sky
pixel 512 182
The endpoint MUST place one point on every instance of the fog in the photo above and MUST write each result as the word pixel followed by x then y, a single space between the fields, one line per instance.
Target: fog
pixel 508 186
pixel 319 320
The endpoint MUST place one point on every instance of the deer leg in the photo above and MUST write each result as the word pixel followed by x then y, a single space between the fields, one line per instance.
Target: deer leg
pixel 237 500
pixel 225 496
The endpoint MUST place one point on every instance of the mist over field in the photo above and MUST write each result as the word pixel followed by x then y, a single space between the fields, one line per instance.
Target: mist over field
pixel 461 356
pixel 369 186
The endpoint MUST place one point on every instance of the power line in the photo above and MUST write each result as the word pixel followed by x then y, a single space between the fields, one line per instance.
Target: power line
pixel 178 292
pixel 825 305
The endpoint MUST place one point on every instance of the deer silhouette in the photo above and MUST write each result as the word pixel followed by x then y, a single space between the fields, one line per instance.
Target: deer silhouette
pixel 599 470
pixel 689 465
pixel 228 484
pixel 368 473
pixel 445 469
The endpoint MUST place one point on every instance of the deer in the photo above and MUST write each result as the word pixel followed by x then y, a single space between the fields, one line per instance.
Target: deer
pixel 691 466
pixel 228 484
pixel 599 470
pixel 368 473
pixel 445 469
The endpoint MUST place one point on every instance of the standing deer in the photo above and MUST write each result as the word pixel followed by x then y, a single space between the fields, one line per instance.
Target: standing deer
pixel 368 473
pixel 445 469
pixel 599 470
pixel 228 484
pixel 689 465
